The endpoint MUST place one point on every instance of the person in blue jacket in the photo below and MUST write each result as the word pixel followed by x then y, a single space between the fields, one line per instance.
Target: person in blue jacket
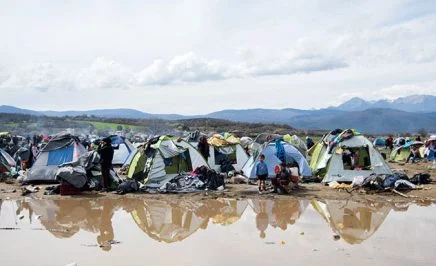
pixel 261 172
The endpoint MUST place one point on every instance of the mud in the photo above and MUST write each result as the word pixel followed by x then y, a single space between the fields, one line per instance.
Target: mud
pixel 133 231
pixel 244 191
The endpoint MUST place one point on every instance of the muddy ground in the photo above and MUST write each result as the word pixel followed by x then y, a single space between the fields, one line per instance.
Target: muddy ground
pixel 244 191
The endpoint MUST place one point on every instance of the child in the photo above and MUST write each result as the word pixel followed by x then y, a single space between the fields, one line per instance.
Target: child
pixel 261 172
pixel 282 180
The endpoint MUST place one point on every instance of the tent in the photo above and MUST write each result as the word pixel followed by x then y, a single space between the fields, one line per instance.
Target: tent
pixel 166 157
pixel 171 221
pixel 168 221
pixel 293 140
pixel 430 146
pixel 137 165
pixel 273 151
pixel 123 150
pixel 63 148
pixel 353 221
pixel 226 148
pixel 6 161
pixel 342 156
pixel 379 142
pixel 400 154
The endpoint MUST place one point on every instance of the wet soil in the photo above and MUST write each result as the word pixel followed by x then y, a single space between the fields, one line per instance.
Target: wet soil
pixel 245 191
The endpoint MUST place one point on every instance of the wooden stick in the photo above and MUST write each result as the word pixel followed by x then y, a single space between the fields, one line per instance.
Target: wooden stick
pixel 403 195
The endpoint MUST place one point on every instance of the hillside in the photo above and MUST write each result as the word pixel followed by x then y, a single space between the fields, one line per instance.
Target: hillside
pixel 371 121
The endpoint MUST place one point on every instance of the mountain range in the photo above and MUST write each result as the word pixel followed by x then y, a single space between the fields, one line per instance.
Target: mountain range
pixel 404 114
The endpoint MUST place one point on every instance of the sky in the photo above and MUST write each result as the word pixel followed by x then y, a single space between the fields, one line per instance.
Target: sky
pixel 200 56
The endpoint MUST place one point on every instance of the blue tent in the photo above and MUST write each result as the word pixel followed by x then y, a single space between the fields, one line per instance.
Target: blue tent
pixel 273 151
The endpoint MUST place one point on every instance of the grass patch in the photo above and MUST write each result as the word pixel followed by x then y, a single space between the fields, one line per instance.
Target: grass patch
pixel 105 125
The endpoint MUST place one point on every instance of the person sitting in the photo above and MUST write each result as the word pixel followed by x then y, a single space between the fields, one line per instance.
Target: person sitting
pixel 282 180
pixel 414 154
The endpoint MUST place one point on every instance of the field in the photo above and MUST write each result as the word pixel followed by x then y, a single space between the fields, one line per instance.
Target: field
pixel 105 125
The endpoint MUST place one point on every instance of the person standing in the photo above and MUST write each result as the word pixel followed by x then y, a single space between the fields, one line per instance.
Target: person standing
pixel 106 152
pixel 261 172
pixel 203 147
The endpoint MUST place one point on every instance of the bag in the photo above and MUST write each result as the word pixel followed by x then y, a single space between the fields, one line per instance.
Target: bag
pixel 420 179
pixel 128 186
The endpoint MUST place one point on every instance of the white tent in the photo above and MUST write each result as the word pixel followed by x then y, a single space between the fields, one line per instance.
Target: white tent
pixel 332 160
pixel 234 153
pixel 123 150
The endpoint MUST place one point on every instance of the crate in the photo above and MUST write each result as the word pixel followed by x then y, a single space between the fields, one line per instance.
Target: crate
pixel 67 189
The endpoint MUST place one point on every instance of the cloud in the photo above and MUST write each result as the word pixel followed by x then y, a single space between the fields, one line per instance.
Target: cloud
pixel 105 74
pixel 186 68
pixel 192 68
pixel 401 90
pixel 407 42
pixel 41 77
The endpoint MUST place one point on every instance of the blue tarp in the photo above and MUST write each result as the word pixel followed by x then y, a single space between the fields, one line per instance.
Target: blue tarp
pixel 116 140
pixel 64 155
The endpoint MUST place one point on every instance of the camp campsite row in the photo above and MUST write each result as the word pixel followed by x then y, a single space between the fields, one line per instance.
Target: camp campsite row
pixel 165 157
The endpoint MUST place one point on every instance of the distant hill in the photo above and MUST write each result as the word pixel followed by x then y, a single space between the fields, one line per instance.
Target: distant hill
pixel 114 113
pixel 6 109
pixel 413 103
pixel 371 120
pixel 406 114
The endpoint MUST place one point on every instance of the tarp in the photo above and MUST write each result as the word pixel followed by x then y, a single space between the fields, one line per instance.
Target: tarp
pixel 219 141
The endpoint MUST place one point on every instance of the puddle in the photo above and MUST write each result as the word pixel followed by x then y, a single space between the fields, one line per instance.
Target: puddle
pixel 215 232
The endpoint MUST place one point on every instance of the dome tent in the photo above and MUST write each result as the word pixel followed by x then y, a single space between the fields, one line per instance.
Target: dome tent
pixel 272 158
pixel 342 156
pixel 223 148
pixel 62 148
pixel 165 157
pixel 123 150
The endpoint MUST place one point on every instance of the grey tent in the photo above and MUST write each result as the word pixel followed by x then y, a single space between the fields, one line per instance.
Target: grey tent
pixel 60 149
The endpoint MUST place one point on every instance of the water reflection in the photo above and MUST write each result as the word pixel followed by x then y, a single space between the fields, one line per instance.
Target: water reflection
pixel 171 221
pixel 277 213
pixel 353 221
pixel 174 221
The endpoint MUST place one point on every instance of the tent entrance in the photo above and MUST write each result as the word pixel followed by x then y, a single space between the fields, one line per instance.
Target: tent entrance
pixel 223 154
pixel 356 158
pixel 178 163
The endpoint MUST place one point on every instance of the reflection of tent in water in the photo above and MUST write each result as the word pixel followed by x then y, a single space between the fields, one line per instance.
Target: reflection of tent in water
pixel 353 221
pixel 65 218
pixel 277 213
pixel 227 211
pixel 174 221
pixel 168 222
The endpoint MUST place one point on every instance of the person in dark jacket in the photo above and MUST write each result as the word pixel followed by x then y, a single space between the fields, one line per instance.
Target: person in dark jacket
pixel 203 147
pixel 106 152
